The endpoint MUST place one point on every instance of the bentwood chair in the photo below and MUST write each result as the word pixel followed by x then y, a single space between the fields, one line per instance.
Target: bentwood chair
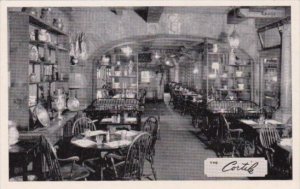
pixel 57 172
pixel 269 137
pixel 131 165
pixel 81 124
pixel 229 137
pixel 151 126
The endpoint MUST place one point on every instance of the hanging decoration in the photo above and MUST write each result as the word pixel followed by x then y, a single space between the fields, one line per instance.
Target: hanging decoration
pixel 78 46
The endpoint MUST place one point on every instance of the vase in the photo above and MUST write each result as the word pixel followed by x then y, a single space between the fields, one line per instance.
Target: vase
pixel 32 77
pixel 43 36
pixel 57 22
pixel 60 102
pixel 45 14
pixel 13 133
pixel 73 103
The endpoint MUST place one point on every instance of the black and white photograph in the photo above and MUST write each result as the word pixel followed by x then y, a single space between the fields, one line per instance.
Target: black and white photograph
pixel 150 93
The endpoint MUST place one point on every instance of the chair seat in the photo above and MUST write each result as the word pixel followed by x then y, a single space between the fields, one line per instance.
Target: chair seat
pixel 78 172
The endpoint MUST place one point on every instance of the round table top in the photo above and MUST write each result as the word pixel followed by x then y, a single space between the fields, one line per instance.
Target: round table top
pixel 116 141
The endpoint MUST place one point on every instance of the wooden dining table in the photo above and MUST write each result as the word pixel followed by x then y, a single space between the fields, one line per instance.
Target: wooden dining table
pixel 97 141
pixel 252 129
pixel 117 140
pixel 21 155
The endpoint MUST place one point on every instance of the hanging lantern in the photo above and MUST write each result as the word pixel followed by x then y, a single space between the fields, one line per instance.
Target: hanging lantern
pixel 234 40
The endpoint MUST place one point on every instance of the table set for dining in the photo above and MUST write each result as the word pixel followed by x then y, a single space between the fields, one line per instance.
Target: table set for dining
pixel 243 125
pixel 104 140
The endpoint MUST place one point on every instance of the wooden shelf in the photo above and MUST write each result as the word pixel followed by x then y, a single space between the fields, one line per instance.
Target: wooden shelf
pixel 52 81
pixel 235 90
pixel 239 65
pixel 41 23
pixel 48 44
pixel 41 62
pixel 131 76
pixel 107 66
pixel 243 77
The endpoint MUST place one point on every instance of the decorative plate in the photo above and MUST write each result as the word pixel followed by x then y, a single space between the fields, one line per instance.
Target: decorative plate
pixel 34 53
pixel 42 115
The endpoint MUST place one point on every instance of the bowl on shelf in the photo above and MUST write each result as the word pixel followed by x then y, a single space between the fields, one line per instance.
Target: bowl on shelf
pixel 239 73
pixel 241 86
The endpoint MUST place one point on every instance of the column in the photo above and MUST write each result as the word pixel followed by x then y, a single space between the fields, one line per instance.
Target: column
pixel 285 110
pixel 176 72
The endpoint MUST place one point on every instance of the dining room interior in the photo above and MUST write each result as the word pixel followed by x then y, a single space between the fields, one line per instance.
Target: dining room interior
pixel 147 93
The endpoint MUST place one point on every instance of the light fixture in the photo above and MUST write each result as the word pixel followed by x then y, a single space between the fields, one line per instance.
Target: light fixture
pixel 126 50
pixel 105 60
pixel 156 55
pixel 196 70
pixel 168 62
pixel 234 40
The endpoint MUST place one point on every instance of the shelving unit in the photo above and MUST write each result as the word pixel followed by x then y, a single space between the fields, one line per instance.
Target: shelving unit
pixel 222 80
pixel 270 81
pixel 122 79
pixel 40 74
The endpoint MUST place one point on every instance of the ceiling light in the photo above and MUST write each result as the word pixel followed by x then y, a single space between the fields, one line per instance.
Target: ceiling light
pixel 168 62
pixel 195 71
pixel 156 56
pixel 126 50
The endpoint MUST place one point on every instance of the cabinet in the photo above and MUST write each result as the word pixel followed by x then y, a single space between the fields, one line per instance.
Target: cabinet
pixel 224 80
pixel 270 81
pixel 38 64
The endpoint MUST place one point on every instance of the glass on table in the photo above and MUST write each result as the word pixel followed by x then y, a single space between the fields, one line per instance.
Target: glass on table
pixel 99 139
pixel 123 134
pixel 112 130
pixel 87 132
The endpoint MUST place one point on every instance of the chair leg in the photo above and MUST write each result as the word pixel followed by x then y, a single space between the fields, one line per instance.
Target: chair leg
pixel 153 170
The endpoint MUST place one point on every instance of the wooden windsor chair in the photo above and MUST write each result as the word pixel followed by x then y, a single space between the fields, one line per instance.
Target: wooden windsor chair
pixel 151 126
pixel 269 137
pixel 131 165
pixel 82 124
pixel 54 170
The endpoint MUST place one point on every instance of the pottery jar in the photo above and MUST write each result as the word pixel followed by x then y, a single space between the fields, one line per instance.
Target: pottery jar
pixel 57 22
pixel 45 14
pixel 32 77
pixel 43 35
pixel 13 133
